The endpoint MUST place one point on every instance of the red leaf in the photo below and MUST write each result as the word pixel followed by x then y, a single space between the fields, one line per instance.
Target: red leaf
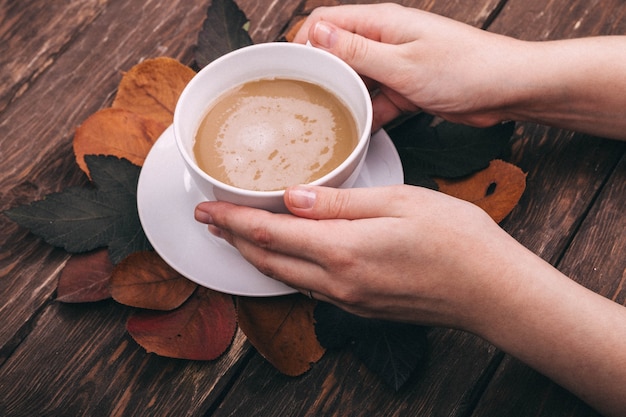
pixel 201 329
pixel 144 280
pixel 85 278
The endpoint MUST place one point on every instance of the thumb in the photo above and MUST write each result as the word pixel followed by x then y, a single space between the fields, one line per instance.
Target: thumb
pixel 364 55
pixel 314 202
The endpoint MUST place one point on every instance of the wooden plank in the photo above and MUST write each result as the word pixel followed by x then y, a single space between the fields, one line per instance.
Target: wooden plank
pixel 597 257
pixel 518 391
pixel 39 131
pixel 476 14
pixel 268 21
pixel 79 361
pixel 32 33
pixel 340 385
pixel 32 36
pixel 556 19
pixel 36 133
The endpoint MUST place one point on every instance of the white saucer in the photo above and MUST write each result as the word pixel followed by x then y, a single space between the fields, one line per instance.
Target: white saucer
pixel 166 198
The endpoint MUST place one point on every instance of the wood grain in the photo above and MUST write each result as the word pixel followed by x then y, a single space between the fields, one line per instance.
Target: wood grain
pixel 62 61
pixel 339 385
pixel 27 54
pixel 86 364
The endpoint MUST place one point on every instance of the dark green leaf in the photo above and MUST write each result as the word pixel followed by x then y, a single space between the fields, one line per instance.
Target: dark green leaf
pixel 446 149
pixel 223 31
pixel 83 219
pixel 391 350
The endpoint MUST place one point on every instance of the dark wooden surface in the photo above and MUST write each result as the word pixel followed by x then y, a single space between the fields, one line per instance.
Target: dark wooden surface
pixel 61 61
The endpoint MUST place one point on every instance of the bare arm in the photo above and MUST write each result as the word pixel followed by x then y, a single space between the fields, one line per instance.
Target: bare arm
pixel 467 75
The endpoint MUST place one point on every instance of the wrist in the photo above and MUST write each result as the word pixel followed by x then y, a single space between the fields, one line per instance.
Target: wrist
pixel 571 84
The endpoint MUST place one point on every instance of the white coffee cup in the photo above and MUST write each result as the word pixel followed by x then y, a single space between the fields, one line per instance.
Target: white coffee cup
pixel 280 60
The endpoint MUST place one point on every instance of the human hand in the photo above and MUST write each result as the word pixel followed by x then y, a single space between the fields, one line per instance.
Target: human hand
pixel 420 60
pixel 411 254
pixel 400 253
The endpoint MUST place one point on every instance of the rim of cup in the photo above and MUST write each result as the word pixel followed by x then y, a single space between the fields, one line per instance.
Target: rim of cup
pixel 364 132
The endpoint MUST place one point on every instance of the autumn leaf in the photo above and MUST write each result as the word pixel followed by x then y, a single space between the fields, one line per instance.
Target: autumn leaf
pixel 85 278
pixel 224 30
pixel 116 132
pixel 294 28
pixel 391 350
pixel 446 149
pixel 152 88
pixel 144 280
pixel 282 330
pixel 201 329
pixel 496 189
pixel 81 219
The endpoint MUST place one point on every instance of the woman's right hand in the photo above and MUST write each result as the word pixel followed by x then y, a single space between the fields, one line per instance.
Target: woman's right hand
pixel 420 60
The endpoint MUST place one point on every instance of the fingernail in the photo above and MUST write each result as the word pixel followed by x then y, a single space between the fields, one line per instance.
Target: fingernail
pixel 202 216
pixel 325 35
pixel 301 197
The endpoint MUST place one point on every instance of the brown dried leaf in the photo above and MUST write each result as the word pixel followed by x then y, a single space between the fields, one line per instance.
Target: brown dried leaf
pixel 294 28
pixel 282 329
pixel 116 132
pixel 152 88
pixel 201 329
pixel 85 278
pixel 496 189
pixel 144 280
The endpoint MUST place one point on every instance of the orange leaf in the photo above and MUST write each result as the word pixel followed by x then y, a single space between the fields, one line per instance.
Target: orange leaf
pixel 201 329
pixel 293 30
pixel 152 88
pixel 282 329
pixel 116 132
pixel 85 278
pixel 496 189
pixel 144 280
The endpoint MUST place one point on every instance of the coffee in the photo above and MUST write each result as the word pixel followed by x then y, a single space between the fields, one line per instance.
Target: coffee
pixel 269 134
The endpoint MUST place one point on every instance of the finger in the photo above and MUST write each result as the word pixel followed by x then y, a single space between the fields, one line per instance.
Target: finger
pixel 357 203
pixel 280 233
pixel 294 270
pixel 384 111
pixel 387 105
pixel 279 246
pixel 372 21
pixel 368 57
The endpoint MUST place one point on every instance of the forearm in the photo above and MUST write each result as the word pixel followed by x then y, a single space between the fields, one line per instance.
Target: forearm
pixel 577 84
pixel 561 329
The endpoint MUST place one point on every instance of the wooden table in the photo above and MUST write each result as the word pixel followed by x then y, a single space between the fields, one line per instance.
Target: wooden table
pixel 62 60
